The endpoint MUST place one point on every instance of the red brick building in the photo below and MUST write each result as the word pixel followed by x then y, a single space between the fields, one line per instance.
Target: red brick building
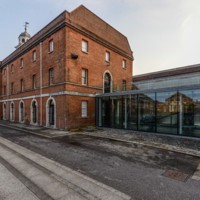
pixel 52 78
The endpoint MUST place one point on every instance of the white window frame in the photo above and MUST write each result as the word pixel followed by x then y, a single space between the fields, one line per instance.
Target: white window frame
pixel 31 113
pixel 47 112
pixel 84 107
pixel 107 56
pixel 12 111
pixel 85 46
pixel 21 63
pixel 124 64
pixel 84 76
pixel 34 55
pixel 51 46
pixel 21 113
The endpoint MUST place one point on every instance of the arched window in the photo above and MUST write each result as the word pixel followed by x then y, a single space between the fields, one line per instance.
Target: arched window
pixel 12 111
pixel 4 111
pixel 51 112
pixel 107 83
pixel 21 111
pixel 34 112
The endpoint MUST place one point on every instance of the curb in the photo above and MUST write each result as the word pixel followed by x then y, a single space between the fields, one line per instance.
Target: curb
pixel 155 145
pixel 32 132
pixel 24 130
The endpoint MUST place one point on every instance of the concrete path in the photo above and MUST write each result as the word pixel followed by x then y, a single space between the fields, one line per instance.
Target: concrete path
pixel 37 177
pixel 11 188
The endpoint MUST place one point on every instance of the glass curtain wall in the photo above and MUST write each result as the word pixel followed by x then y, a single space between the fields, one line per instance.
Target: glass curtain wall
pixel 146 112
pixel 106 109
pixel 132 112
pixel 173 112
pixel 189 112
pixel 167 112
pixel 116 111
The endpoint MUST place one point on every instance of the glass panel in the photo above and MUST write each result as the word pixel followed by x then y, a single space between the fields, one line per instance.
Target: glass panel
pixel 170 81
pixel 132 112
pixel 106 112
pixel 116 114
pixel 167 116
pixel 189 112
pixel 125 111
pixel 84 108
pixel 146 112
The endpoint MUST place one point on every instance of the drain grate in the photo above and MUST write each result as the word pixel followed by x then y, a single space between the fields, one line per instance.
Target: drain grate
pixel 176 175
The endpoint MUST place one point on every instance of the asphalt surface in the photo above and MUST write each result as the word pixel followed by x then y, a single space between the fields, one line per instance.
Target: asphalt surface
pixel 140 171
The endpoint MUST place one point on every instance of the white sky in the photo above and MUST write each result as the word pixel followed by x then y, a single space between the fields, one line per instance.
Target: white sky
pixel 163 34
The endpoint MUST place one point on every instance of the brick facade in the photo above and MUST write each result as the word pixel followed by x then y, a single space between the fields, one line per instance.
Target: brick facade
pixel 61 94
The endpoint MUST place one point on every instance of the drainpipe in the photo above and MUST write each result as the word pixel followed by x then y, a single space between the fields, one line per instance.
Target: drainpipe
pixel 41 83
pixel 7 74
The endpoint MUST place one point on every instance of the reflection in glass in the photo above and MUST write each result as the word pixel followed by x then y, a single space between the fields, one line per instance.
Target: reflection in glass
pixel 189 112
pixel 132 112
pixel 173 112
pixel 146 112
pixel 167 117
pixel 116 119
pixel 106 112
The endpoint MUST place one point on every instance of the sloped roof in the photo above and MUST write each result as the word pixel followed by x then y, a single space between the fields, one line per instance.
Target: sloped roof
pixel 82 19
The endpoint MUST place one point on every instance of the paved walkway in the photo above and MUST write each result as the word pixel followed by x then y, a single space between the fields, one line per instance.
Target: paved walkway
pixel 11 188
pixel 37 177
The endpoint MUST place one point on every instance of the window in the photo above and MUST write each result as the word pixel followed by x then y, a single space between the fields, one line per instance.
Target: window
pixel 84 76
pixel 107 83
pixel 34 56
pixel 51 76
pixel 22 85
pixel 34 81
pixel 84 46
pixel 12 88
pixel 12 111
pixel 124 85
pixel 21 111
pixel 51 46
pixel 124 64
pixel 84 108
pixel 107 58
pixel 4 89
pixel 21 63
